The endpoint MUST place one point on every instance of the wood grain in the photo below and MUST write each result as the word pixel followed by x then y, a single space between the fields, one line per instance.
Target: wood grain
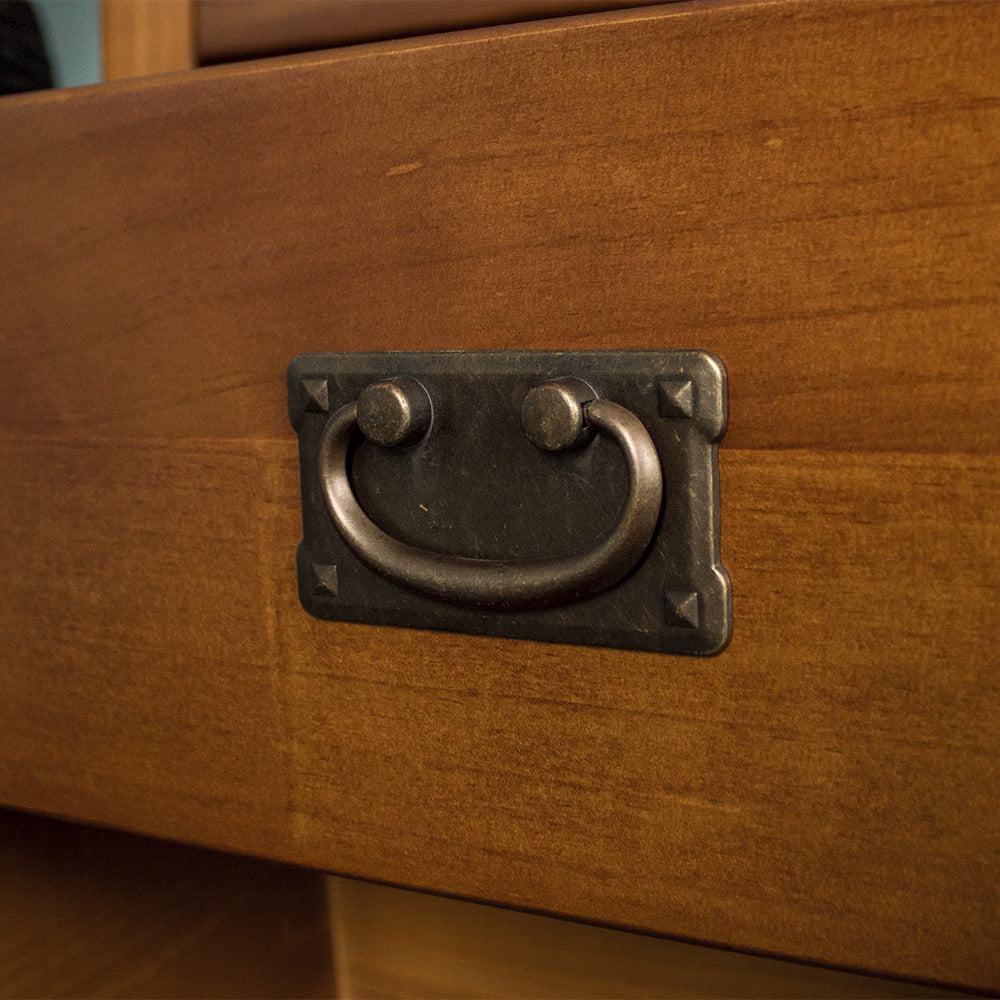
pixel 99 913
pixel 808 190
pixel 246 29
pixel 141 558
pixel 825 789
pixel 144 37
pixel 663 177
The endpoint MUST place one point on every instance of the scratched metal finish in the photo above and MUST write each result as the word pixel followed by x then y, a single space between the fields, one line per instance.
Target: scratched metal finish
pixel 475 486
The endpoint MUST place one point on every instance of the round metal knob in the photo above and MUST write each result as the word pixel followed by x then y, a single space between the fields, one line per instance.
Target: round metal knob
pixel 394 412
pixel 552 414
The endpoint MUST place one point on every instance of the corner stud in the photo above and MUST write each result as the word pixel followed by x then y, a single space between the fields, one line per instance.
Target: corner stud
pixel 326 580
pixel 682 609
pixel 317 394
pixel 676 398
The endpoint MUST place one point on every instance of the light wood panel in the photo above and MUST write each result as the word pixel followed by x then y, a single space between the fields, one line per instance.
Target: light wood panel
pixel 393 943
pixel 145 37
pixel 808 190
pixel 98 913
pixel 246 29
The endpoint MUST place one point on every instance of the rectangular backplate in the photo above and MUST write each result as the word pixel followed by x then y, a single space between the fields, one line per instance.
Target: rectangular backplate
pixel 475 486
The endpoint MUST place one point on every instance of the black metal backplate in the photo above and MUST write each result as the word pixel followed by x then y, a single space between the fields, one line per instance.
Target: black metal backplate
pixel 475 486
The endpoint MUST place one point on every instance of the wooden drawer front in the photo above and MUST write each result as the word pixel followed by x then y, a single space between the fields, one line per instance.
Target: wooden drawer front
pixel 807 190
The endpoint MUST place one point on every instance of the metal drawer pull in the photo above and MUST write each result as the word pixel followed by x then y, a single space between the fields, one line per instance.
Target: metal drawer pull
pixel 455 517
pixel 556 415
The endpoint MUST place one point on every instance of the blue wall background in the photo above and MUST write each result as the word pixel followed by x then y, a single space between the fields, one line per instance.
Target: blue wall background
pixel 72 33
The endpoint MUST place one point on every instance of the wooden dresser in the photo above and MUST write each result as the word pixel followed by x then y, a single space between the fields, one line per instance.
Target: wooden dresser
pixel 810 191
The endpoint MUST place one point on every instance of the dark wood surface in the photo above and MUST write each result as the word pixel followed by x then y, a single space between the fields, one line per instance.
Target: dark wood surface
pixel 808 190
pixel 99 913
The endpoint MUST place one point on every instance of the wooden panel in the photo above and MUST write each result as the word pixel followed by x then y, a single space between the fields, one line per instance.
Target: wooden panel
pixel 96 913
pixel 832 774
pixel 394 943
pixel 135 634
pixel 808 190
pixel 243 29
pixel 143 37
pixel 652 179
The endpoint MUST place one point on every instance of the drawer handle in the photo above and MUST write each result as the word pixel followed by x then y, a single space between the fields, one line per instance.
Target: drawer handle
pixel 557 415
